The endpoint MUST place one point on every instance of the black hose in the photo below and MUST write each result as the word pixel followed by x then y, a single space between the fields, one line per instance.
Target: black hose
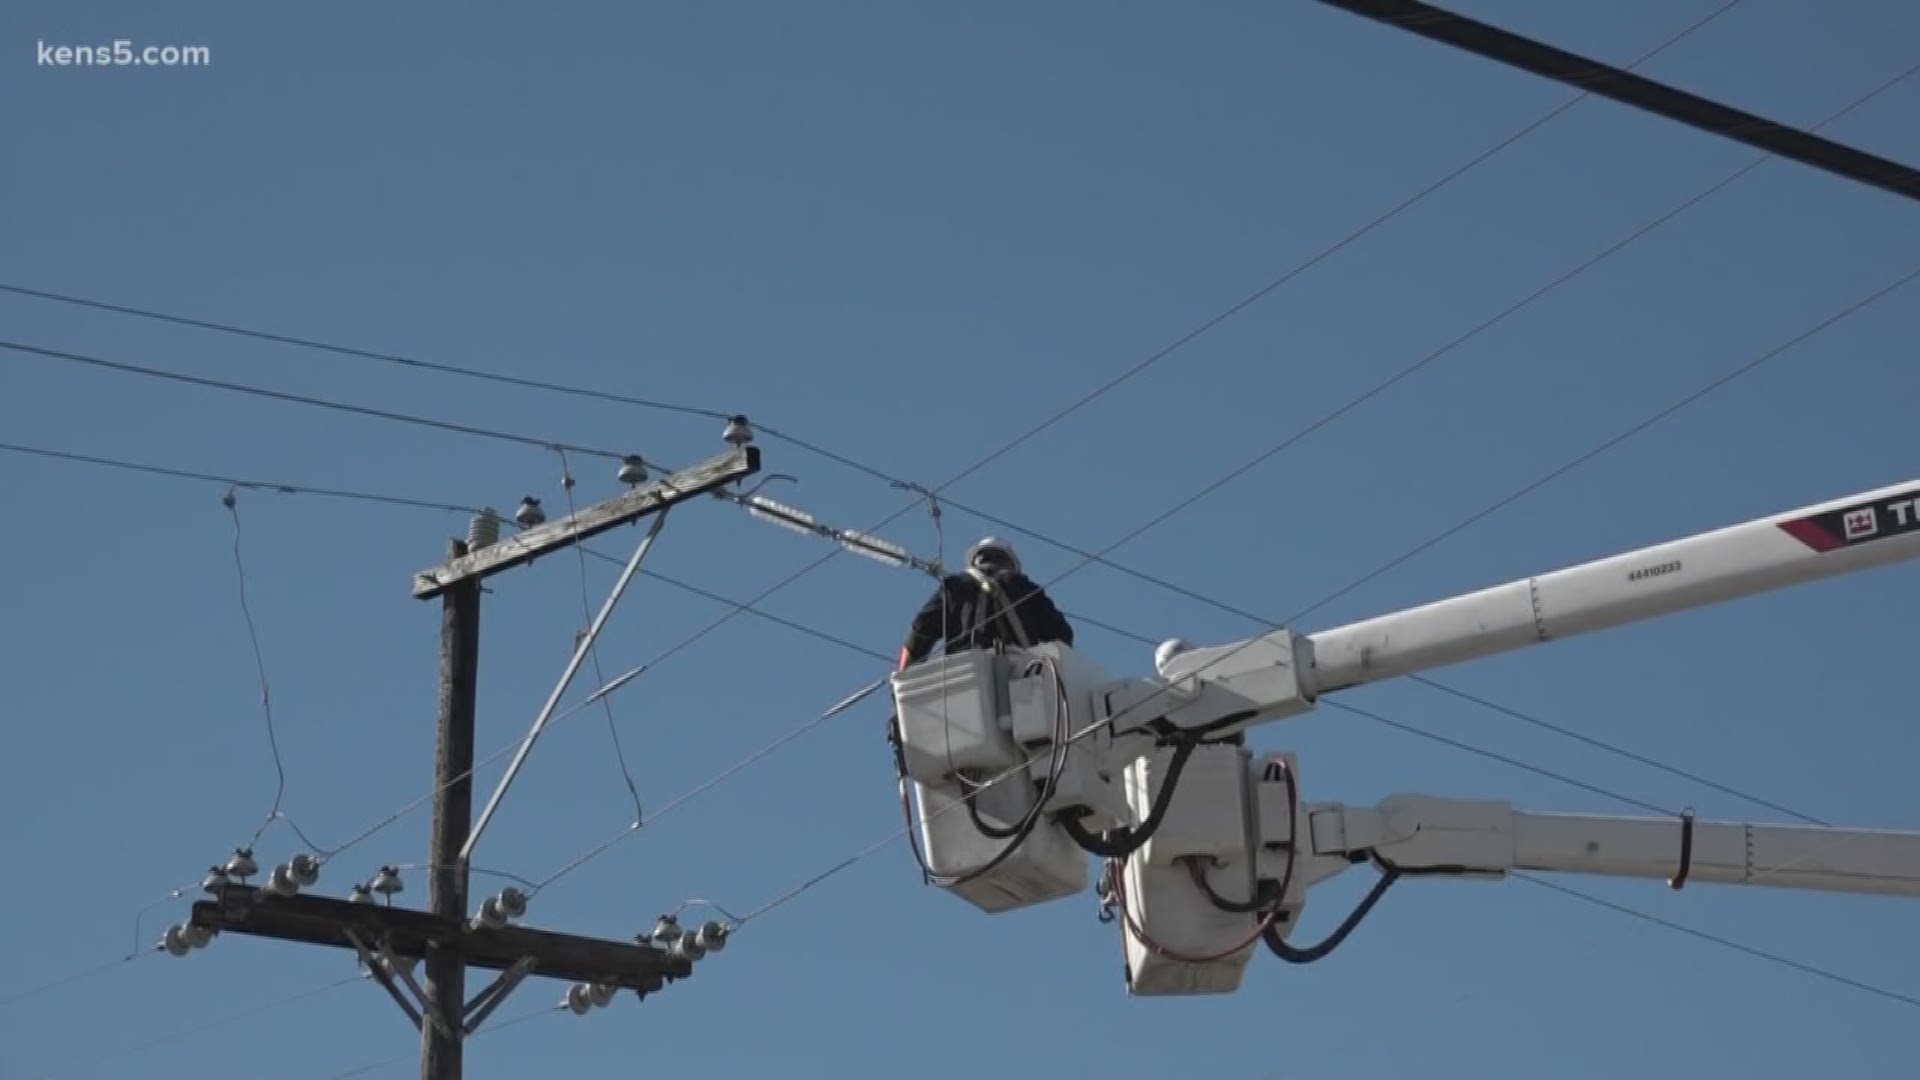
pixel 1293 955
pixel 1122 842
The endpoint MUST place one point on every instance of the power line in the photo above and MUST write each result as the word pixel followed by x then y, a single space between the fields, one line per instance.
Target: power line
pixel 865 853
pixel 850 462
pixel 276 487
pixel 1681 928
pixel 172 1036
pixel 1642 759
pixel 303 399
pixel 283 488
pixel 365 354
pixel 586 611
pixel 67 980
pixel 409 1058
pixel 260 665
pixel 1502 758
pixel 883 657
pixel 1503 314
pixel 1642 93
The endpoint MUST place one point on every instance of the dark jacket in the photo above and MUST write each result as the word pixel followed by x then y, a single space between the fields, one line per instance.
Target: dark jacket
pixel 961 608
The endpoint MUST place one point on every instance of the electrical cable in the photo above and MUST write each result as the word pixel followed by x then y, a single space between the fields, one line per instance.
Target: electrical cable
pixel 805 884
pixel 1122 842
pixel 302 399
pixel 365 354
pixel 1297 436
pixel 1858 305
pixel 1537 770
pixel 1263 897
pixel 1797 965
pixel 1295 955
pixel 1116 878
pixel 1204 492
pixel 279 487
pixel 1556 282
pixel 66 980
pixel 260 665
pixel 410 1057
pixel 586 611
pixel 1052 420
pixel 873 653
pixel 1544 60
pixel 234 481
pixel 171 1036
pixel 746 605
pixel 1630 755
pixel 726 774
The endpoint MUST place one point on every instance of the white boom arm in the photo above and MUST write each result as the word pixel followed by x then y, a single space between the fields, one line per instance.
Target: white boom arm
pixel 1861 531
pixel 1419 831
pixel 1234 856
pixel 1281 674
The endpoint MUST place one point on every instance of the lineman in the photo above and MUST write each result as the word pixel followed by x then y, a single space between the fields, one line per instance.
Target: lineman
pixel 992 603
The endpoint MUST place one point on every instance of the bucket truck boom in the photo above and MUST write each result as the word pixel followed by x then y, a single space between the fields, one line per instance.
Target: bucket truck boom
pixel 1024 762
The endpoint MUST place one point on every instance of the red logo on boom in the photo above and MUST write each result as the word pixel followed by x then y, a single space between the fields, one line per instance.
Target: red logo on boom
pixel 1860 523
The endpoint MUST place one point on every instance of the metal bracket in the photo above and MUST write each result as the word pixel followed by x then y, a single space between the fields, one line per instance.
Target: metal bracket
pixel 581 647
pixel 496 992
pixel 384 975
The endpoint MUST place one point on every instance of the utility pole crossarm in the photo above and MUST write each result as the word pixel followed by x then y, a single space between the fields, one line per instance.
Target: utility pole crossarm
pixel 405 932
pixel 520 549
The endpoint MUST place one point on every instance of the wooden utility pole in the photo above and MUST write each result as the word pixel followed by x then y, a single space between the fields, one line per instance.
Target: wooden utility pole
pixel 452 816
pixel 446 937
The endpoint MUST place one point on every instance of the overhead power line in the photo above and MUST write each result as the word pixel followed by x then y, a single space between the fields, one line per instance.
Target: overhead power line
pixel 365 354
pixel 303 399
pixel 1728 943
pixel 277 487
pixel 879 655
pixel 1595 77
pixel 867 852
pixel 1100 557
pixel 773 432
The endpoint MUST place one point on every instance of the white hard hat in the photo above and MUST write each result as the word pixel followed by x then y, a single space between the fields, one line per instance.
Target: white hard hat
pixel 996 545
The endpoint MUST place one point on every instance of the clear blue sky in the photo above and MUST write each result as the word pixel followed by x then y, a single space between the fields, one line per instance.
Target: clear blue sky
pixel 910 232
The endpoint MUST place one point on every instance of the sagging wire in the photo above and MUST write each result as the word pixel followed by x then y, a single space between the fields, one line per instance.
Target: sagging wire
pixel 430 867
pixel 586 609
pixel 66 980
pixel 302 399
pixel 694 901
pixel 1227 654
pixel 603 847
pixel 209 1025
pixel 232 503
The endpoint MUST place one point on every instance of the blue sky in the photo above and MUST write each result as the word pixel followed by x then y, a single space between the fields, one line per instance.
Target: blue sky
pixel 909 233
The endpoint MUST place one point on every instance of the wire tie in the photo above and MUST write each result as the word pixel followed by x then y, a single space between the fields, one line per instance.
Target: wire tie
pixel 1679 880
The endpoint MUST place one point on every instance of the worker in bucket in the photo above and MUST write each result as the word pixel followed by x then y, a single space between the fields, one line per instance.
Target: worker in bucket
pixel 992 603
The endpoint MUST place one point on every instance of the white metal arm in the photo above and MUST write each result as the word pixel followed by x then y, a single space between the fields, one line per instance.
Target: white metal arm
pixel 1419 831
pixel 1281 674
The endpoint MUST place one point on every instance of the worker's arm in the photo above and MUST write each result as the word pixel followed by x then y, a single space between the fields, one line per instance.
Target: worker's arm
pixel 929 625
pixel 1037 613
